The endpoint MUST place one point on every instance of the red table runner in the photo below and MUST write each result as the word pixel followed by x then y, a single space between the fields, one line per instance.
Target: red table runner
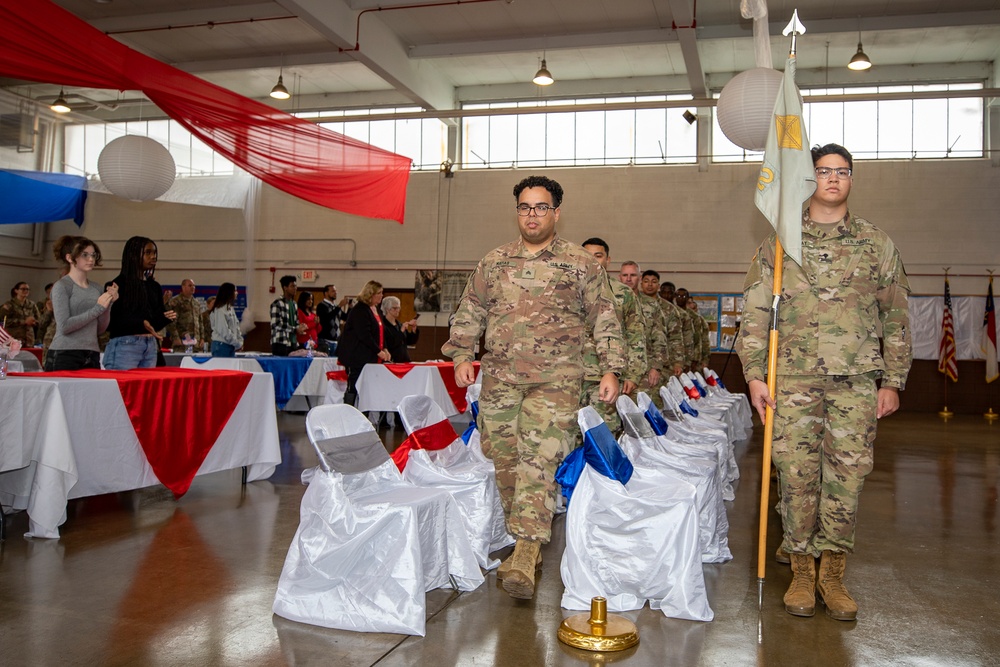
pixel 446 369
pixel 176 431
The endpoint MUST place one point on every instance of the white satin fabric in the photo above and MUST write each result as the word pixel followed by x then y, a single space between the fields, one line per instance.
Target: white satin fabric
pixel 699 431
pixel 370 544
pixel 697 465
pixel 634 543
pixel 741 400
pixel 463 472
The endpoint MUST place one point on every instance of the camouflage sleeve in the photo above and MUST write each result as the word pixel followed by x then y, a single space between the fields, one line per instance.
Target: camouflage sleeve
pixel 172 327
pixel 658 350
pixel 897 344
pixel 470 320
pixel 635 340
pixel 751 344
pixel 706 345
pixel 675 339
pixel 601 316
pixel 687 325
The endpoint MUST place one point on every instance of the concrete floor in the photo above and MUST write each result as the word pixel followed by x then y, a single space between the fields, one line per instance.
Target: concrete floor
pixel 139 579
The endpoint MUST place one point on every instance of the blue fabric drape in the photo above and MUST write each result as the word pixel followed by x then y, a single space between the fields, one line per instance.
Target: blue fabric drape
pixel 34 196
pixel 287 373
pixel 472 425
pixel 602 453
pixel 686 408
pixel 656 420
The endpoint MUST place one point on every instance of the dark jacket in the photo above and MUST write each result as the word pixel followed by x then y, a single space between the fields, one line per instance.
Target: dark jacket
pixel 396 341
pixel 143 302
pixel 358 344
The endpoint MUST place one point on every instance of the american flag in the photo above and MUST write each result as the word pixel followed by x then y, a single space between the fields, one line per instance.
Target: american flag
pixel 990 336
pixel 946 351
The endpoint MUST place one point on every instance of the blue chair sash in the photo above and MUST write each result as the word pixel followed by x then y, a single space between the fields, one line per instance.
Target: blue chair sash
pixel 656 420
pixel 467 434
pixel 602 453
pixel 686 408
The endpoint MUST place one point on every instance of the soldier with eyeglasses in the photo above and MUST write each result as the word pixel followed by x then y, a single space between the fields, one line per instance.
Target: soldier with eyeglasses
pixel 537 299
pixel 849 291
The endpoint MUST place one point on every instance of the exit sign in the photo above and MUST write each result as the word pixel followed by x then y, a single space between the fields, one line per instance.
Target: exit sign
pixel 308 276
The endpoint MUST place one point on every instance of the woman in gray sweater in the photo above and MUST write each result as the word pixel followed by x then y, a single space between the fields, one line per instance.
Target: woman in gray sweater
pixel 82 311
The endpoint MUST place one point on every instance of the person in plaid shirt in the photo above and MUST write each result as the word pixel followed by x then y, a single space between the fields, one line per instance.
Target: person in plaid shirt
pixel 285 319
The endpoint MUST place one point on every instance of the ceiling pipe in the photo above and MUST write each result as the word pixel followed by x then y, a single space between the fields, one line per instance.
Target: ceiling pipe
pixel 357 30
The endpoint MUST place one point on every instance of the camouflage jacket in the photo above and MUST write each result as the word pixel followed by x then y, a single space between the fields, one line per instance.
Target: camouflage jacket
pixel 706 345
pixel 850 290
pixel 633 333
pixel 690 344
pixel 537 309
pixel 676 352
pixel 188 320
pixel 15 314
pixel 657 342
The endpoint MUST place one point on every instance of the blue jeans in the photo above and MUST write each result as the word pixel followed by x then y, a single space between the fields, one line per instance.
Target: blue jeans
pixel 127 352
pixel 223 349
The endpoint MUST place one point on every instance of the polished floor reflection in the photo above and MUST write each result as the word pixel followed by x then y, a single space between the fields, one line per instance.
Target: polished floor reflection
pixel 139 579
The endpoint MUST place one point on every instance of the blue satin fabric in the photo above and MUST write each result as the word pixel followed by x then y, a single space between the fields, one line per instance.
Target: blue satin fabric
pixel 701 389
pixel 287 373
pixel 602 453
pixel 472 425
pixel 656 420
pixel 719 382
pixel 686 408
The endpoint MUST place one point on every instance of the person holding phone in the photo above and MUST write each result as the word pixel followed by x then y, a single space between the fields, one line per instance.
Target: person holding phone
pixel 399 335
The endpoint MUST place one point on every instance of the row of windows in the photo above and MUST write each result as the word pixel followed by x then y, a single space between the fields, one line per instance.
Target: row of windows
pixel 914 128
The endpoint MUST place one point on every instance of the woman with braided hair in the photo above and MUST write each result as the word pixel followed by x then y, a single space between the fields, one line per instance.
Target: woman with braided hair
pixel 138 313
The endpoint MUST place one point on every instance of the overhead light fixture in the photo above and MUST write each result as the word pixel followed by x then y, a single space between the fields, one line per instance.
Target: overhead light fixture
pixel 60 105
pixel 689 117
pixel 542 76
pixel 279 92
pixel 860 61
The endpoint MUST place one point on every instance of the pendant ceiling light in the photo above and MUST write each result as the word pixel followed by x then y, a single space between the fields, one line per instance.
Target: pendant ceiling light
pixel 279 92
pixel 542 76
pixel 60 105
pixel 860 61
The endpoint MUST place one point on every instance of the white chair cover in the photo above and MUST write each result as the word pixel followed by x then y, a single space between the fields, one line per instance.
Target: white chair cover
pixel 369 544
pixel 708 406
pixel 633 543
pixel 742 402
pixel 695 464
pixel 464 473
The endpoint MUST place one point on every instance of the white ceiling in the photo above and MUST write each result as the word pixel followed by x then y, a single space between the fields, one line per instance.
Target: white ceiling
pixel 436 57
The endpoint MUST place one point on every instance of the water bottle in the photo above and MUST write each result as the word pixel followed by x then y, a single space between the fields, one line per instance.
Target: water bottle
pixel 309 348
pixel 3 363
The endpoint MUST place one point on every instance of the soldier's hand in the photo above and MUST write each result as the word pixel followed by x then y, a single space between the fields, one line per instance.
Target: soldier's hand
pixel 628 387
pixel 678 369
pixel 608 389
pixel 760 397
pixel 465 374
pixel 170 315
pixel 654 377
pixel 888 401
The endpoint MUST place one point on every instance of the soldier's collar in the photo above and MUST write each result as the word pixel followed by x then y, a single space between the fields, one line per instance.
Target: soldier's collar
pixel 846 227
pixel 522 250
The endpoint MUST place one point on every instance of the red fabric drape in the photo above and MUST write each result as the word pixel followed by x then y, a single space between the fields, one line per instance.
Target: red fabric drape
pixel 433 437
pixel 43 42
pixel 177 414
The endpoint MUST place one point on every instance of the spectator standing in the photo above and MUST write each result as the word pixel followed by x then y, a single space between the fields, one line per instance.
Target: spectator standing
pixel 188 323
pixel 307 319
pixel 20 314
pixel 364 338
pixel 285 325
pixel 227 337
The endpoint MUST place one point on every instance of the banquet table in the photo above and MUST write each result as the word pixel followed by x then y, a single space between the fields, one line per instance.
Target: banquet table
pixel 65 436
pixel 382 386
pixel 299 382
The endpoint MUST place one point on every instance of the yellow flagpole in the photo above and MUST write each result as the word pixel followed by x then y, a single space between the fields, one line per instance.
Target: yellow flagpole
pixel 772 385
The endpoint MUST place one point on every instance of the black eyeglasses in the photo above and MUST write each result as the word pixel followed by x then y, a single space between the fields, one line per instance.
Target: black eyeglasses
pixel 524 210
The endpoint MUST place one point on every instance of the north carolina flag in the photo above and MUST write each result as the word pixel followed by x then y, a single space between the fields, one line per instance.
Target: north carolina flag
pixel 946 350
pixel 990 336
pixel 787 178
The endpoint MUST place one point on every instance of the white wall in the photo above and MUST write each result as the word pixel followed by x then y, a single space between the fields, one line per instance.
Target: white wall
pixel 699 229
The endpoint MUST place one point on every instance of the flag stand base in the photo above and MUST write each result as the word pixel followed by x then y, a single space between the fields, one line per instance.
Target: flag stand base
pixel 991 416
pixel 947 414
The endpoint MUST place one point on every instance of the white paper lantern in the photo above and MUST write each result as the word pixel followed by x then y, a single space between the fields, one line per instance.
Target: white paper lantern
pixel 745 107
pixel 136 168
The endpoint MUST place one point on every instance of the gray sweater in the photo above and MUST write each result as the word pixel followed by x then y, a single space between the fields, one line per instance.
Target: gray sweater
pixel 79 318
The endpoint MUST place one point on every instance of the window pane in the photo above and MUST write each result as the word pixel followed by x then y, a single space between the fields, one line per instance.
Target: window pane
pixel 590 137
pixel 75 149
pixel 930 128
pixel 531 140
pixel 965 127
pixel 408 141
pixel 825 123
pixel 895 129
pixel 861 129
pixel 503 141
pixel 382 133
pixel 650 135
pixel 619 137
pixel 476 146
pixel 559 138
pixel 434 139
pixel 682 138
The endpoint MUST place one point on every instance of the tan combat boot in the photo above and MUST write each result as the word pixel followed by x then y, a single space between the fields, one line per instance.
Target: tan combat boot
pixel 519 580
pixel 782 556
pixel 504 567
pixel 839 603
pixel 800 599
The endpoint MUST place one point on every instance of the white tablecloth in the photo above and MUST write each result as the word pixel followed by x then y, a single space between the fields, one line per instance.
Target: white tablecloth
pixel 380 390
pixel 310 392
pixel 64 438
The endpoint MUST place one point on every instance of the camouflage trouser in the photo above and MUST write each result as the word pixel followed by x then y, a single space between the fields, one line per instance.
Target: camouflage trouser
pixel 590 395
pixel 824 430
pixel 654 391
pixel 527 429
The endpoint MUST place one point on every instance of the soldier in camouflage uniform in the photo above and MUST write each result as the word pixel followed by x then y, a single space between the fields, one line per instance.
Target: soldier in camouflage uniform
pixel 672 320
pixel 633 333
pixel 537 299
pixel 655 332
pixel 704 334
pixel 850 288
pixel 692 331
pixel 189 319
pixel 20 315
pixel 668 294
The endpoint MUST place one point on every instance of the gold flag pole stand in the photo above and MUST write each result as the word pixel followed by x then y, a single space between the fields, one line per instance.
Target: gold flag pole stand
pixel 945 413
pixel 597 631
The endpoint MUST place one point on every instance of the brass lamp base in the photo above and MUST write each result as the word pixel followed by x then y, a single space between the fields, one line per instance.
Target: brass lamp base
pixel 598 631
pixel 946 414
pixel 991 416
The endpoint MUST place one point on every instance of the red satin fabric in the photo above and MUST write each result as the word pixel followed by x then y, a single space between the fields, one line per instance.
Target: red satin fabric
pixel 446 369
pixel 177 414
pixel 337 375
pixel 433 437
pixel 43 42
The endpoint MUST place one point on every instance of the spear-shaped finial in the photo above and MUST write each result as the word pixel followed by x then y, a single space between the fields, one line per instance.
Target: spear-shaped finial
pixel 794 28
